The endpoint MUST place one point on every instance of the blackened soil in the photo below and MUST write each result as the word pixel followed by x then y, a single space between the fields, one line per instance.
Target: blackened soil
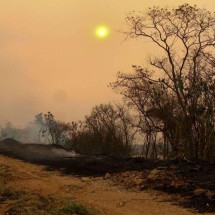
pixel 194 182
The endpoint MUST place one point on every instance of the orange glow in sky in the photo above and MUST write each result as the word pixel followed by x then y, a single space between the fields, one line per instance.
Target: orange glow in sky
pixel 51 60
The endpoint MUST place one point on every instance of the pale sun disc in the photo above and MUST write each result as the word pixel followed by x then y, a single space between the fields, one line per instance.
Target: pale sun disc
pixel 102 31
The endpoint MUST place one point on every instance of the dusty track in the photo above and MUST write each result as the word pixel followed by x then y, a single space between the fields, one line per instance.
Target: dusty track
pixel 97 192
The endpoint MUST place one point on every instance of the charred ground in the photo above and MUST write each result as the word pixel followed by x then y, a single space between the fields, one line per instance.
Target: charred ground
pixel 191 184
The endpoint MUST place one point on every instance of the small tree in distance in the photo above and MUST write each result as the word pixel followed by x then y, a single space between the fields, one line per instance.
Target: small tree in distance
pixel 57 132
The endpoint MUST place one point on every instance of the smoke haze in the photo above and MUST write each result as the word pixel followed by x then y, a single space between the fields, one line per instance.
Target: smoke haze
pixel 50 59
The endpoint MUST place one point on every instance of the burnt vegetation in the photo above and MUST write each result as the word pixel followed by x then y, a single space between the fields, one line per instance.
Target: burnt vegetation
pixel 168 108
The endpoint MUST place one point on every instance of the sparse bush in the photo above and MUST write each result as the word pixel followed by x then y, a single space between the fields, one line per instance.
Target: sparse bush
pixel 75 208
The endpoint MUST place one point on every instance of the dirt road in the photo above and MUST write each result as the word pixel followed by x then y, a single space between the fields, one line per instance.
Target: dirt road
pixel 97 192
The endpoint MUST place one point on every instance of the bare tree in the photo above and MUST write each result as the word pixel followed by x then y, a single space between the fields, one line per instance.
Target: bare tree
pixel 174 93
pixel 57 132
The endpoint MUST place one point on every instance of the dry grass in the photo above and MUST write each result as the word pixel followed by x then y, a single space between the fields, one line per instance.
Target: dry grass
pixel 34 204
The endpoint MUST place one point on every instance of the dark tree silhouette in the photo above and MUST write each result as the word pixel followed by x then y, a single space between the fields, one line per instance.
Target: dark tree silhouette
pixel 106 130
pixel 175 93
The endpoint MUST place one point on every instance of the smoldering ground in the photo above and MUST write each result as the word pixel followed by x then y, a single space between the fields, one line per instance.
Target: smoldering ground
pixel 33 152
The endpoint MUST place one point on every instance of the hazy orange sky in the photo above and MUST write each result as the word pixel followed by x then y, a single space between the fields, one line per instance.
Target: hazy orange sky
pixel 50 59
